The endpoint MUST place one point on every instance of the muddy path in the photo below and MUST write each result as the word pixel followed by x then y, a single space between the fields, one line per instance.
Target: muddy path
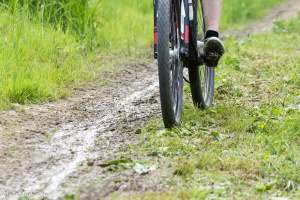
pixel 59 148
pixel 41 147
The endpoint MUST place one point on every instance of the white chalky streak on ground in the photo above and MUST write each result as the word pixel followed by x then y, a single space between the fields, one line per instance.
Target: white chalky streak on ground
pixel 58 174
pixel 82 154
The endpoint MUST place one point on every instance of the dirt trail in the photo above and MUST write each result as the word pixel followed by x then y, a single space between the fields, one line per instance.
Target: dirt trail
pixel 41 147
pixel 54 149
pixel 284 11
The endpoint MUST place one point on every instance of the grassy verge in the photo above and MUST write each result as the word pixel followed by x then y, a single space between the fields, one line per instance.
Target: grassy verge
pixel 37 62
pixel 247 145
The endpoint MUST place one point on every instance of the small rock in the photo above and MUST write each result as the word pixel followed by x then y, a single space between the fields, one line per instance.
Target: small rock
pixel 294 107
pixel 90 163
pixel 138 131
pixel 112 129
pixel 143 169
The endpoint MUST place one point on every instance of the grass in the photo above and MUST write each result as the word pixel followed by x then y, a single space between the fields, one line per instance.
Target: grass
pixel 237 13
pixel 77 16
pixel 126 25
pixel 37 62
pixel 247 145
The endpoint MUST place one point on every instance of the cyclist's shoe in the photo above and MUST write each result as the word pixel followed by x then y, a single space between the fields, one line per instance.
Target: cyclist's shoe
pixel 213 51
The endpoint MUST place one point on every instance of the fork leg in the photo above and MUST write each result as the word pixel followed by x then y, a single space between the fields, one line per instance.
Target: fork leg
pixel 184 28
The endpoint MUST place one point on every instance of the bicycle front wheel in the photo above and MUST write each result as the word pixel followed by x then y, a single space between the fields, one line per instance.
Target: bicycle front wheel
pixel 170 67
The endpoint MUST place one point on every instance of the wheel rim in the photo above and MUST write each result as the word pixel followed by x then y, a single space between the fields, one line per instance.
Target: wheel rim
pixel 205 76
pixel 175 65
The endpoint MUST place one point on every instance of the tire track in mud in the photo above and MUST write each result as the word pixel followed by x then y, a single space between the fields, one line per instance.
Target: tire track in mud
pixel 44 150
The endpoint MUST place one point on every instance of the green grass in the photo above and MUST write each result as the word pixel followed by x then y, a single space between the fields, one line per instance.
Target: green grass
pixel 246 146
pixel 77 16
pixel 37 62
pixel 237 13
pixel 125 26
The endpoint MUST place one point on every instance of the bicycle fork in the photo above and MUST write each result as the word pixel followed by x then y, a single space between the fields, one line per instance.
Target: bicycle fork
pixel 185 19
pixel 186 16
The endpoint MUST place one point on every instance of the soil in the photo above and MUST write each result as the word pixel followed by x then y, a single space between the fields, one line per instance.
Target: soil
pixel 284 11
pixel 42 147
pixel 59 148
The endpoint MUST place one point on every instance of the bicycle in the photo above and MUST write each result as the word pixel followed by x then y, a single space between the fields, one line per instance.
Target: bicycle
pixel 178 43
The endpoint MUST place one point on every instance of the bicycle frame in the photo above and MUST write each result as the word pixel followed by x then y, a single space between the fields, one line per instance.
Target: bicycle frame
pixel 185 9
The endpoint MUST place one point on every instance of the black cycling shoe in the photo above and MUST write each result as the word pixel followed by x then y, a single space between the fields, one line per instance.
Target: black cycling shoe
pixel 213 51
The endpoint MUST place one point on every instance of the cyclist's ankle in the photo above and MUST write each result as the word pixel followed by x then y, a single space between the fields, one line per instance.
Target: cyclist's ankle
pixel 211 33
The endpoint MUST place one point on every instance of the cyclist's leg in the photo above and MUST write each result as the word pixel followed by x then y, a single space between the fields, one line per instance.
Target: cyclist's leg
pixel 213 47
pixel 211 13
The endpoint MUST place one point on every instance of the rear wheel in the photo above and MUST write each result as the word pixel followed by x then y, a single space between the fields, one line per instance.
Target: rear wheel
pixel 201 77
pixel 169 64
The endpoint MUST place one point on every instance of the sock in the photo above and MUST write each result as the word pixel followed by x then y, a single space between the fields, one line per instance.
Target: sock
pixel 211 33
